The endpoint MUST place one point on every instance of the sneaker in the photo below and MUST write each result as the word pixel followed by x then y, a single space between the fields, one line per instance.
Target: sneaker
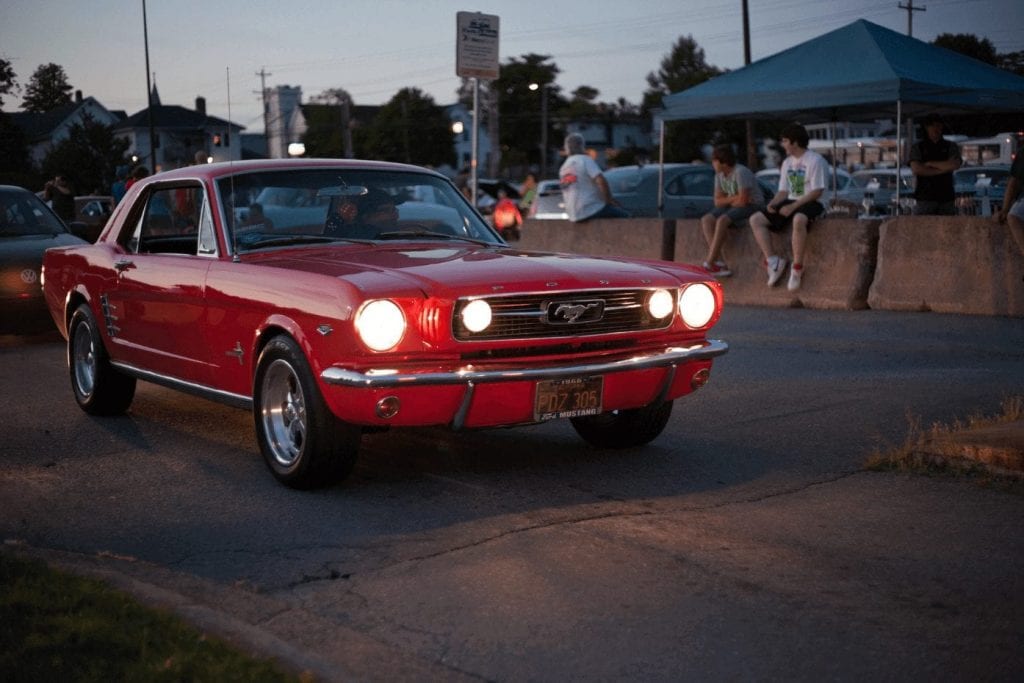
pixel 717 269
pixel 776 267
pixel 796 274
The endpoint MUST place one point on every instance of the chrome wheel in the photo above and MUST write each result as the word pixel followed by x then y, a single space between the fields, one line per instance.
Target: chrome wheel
pixel 98 387
pixel 83 359
pixel 283 411
pixel 302 442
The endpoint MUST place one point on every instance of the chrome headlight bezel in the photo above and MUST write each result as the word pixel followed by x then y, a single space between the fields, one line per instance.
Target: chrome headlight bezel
pixel 476 316
pixel 697 305
pixel 660 304
pixel 380 324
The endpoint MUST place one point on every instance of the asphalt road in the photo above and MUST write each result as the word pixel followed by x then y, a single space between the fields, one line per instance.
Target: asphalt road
pixel 747 542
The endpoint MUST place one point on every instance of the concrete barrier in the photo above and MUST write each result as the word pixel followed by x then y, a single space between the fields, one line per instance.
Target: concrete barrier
pixel 839 263
pixel 955 264
pixel 630 237
pixel 951 265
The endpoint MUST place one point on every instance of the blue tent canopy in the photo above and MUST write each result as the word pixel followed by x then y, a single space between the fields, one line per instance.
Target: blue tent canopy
pixel 859 71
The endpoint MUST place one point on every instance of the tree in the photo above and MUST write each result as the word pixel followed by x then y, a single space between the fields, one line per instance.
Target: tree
pixel 410 128
pixel 328 132
pixel 984 123
pixel 520 108
pixel 1012 61
pixel 8 79
pixel 89 156
pixel 683 68
pixel 47 89
pixel 969 44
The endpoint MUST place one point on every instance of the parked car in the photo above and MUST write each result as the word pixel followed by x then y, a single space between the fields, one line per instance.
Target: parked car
pixel 842 181
pixel 384 312
pixel 975 184
pixel 93 210
pixel 874 190
pixel 27 229
pixel 688 189
pixel 548 203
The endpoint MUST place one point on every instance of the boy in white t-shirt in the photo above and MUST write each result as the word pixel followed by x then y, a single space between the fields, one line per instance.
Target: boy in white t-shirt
pixel 801 183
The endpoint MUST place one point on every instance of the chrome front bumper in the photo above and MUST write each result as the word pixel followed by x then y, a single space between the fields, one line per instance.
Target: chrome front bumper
pixel 384 378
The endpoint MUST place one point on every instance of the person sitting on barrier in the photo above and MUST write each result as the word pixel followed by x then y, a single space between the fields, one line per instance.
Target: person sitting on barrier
pixel 933 160
pixel 737 197
pixel 1012 210
pixel 801 184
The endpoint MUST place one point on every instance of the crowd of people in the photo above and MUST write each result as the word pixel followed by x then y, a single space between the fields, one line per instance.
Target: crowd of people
pixel 738 201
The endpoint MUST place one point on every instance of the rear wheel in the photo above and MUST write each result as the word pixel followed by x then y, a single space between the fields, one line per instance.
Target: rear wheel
pixel 624 428
pixel 303 443
pixel 99 388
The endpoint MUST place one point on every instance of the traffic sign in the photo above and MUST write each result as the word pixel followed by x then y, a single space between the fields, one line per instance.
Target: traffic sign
pixel 476 45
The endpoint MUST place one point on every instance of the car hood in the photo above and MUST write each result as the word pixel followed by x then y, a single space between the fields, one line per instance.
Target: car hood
pixel 466 270
pixel 31 247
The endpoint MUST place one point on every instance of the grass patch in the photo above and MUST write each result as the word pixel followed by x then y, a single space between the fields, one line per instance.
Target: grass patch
pixel 56 626
pixel 922 453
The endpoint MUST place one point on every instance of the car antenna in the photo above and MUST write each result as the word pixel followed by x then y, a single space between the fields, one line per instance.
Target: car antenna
pixel 231 178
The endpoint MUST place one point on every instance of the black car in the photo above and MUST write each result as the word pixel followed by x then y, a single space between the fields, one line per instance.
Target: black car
pixel 27 228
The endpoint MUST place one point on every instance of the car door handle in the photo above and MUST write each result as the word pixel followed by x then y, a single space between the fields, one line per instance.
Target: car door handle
pixel 123 264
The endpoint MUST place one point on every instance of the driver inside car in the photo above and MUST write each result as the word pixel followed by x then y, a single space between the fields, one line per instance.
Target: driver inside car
pixel 364 217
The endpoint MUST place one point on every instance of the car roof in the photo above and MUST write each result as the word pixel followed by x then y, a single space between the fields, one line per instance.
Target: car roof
pixel 648 169
pixel 227 168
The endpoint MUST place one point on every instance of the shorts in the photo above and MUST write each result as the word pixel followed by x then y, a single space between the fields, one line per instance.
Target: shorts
pixel 737 214
pixel 777 222
pixel 1017 210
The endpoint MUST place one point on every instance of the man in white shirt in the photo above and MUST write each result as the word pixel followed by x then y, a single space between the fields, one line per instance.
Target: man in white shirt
pixel 584 189
pixel 801 183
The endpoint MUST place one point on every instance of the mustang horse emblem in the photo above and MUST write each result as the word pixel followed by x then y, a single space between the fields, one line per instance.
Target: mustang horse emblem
pixel 572 313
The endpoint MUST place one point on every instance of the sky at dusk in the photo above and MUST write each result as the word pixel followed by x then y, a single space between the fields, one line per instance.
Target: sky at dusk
pixel 373 48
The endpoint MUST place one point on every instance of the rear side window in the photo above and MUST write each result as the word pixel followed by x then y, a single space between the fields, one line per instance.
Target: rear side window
pixel 696 184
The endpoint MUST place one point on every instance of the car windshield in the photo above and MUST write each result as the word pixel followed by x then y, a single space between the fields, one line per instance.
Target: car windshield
pixel 316 206
pixel 886 181
pixel 624 180
pixel 973 175
pixel 22 213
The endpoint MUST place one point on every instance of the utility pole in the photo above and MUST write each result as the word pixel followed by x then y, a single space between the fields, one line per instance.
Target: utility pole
pixel 910 15
pixel 751 144
pixel 149 94
pixel 262 73
pixel 910 32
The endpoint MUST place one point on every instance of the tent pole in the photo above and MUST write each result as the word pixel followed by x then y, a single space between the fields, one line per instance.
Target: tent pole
pixel 835 170
pixel 661 169
pixel 899 150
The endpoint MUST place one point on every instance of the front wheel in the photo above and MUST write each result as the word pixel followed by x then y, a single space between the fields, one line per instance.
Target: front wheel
pixel 624 428
pixel 303 443
pixel 99 388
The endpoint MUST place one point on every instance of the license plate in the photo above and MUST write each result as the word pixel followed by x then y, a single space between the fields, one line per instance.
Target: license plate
pixel 568 398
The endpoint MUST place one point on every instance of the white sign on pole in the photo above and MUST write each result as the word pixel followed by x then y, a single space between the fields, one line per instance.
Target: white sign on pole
pixel 476 45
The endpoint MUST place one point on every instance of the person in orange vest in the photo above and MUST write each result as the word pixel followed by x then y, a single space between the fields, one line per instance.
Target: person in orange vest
pixel 507 218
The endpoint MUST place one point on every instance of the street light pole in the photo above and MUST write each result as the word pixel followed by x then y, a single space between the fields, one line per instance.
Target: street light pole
pixel 543 87
pixel 544 132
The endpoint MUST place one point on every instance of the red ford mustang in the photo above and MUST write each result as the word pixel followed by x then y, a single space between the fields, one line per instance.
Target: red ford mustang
pixel 331 296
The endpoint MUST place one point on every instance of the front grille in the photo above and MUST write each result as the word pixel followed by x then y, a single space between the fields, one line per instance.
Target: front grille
pixel 587 312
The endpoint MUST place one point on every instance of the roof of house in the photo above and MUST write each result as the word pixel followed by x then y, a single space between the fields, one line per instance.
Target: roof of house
pixel 172 116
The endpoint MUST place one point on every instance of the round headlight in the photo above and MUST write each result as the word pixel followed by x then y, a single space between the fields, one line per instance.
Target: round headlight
pixel 476 316
pixel 380 324
pixel 660 303
pixel 697 305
